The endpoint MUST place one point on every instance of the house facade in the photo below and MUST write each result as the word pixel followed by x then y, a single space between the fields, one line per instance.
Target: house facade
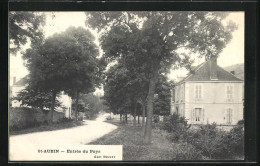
pixel 209 94
pixel 16 87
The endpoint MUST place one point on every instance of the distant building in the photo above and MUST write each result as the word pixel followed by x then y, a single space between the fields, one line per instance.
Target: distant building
pixel 209 94
pixel 16 87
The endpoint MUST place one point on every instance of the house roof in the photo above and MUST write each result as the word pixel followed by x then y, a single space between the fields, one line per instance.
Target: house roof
pixel 202 73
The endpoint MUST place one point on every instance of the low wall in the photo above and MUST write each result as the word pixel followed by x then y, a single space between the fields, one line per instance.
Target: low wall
pixel 22 117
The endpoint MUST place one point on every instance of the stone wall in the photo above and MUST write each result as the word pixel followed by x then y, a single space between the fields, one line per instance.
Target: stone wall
pixel 22 117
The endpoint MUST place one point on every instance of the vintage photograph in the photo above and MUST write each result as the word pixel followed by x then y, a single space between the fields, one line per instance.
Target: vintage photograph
pixel 126 86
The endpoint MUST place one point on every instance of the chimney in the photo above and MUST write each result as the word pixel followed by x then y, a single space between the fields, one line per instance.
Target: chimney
pixel 14 80
pixel 232 72
pixel 213 68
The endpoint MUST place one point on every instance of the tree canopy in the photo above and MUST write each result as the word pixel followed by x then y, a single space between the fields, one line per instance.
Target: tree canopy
pixel 64 62
pixel 25 26
pixel 150 41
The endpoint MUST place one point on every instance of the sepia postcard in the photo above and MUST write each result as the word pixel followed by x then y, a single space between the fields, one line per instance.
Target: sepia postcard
pixel 126 85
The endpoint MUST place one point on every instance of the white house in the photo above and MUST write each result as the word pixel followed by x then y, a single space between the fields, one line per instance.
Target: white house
pixel 16 87
pixel 209 94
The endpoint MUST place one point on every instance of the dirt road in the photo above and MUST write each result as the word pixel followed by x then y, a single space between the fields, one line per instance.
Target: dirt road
pixel 24 147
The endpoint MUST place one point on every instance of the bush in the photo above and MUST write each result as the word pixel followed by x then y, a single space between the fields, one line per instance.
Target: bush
pixel 156 118
pixel 208 139
pixel 109 118
pixel 65 120
pixel 186 151
pixel 233 142
pixel 159 125
pixel 177 127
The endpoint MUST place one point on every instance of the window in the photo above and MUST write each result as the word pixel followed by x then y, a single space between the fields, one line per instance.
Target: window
pixel 182 93
pixel 229 116
pixel 173 95
pixel 198 115
pixel 198 92
pixel 177 94
pixel 229 92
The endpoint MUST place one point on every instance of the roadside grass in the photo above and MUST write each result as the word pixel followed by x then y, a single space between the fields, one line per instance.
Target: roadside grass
pixel 134 148
pixel 47 127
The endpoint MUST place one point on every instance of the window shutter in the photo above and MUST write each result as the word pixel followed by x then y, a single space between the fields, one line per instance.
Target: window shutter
pixel 231 116
pixel 226 113
pixel 203 114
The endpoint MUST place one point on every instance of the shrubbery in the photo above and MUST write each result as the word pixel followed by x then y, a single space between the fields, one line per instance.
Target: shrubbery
pixel 177 126
pixel 156 118
pixel 186 151
pixel 207 140
pixel 233 141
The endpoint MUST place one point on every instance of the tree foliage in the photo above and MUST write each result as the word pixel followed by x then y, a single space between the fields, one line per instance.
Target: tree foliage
pixel 25 26
pixel 162 100
pixel 150 41
pixel 94 105
pixel 123 89
pixel 36 99
pixel 64 62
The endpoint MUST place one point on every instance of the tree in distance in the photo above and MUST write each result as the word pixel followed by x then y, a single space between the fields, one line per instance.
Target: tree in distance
pixel 162 100
pixel 124 90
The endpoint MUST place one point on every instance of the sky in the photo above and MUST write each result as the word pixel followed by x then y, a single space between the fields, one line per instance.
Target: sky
pixel 231 55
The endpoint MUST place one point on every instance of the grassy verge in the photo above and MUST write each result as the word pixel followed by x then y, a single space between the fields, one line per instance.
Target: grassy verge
pixel 134 148
pixel 47 127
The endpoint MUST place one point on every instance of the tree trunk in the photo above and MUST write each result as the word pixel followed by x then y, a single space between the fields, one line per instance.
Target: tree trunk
pixel 138 120
pixel 143 117
pixel 135 114
pixel 54 93
pixel 76 104
pixel 150 97
pixel 126 117
pixel 120 117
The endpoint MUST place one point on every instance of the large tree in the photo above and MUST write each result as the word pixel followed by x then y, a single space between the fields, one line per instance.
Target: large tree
pixel 115 95
pixel 24 27
pixel 151 41
pixel 85 68
pixel 124 90
pixel 64 62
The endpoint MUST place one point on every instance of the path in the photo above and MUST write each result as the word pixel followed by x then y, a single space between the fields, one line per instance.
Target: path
pixel 21 145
